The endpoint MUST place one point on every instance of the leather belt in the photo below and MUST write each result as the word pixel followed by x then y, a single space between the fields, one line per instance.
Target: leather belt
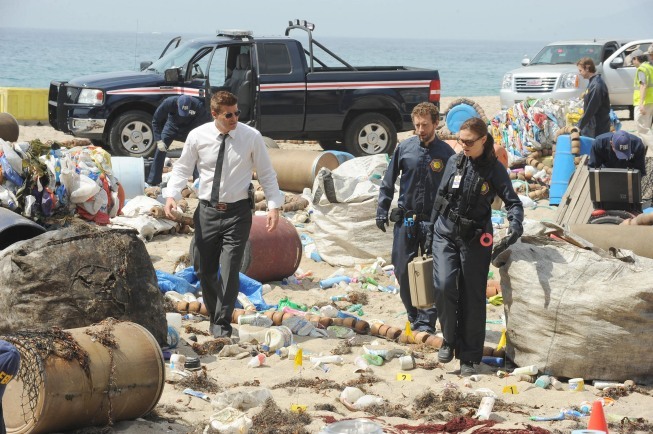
pixel 222 206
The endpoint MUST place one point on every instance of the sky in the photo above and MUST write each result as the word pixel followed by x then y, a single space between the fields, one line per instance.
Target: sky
pixel 409 19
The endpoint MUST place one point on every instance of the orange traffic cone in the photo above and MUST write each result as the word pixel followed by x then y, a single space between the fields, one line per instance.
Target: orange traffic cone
pixel 597 418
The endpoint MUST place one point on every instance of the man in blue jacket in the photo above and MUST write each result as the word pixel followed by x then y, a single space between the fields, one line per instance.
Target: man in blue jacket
pixel 420 160
pixel 618 150
pixel 173 120
pixel 596 101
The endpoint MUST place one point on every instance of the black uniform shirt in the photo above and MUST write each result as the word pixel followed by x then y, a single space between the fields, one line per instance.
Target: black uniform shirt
pixel 421 170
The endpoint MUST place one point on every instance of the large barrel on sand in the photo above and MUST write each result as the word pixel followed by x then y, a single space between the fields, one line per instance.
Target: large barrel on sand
pixel 268 256
pixel 296 169
pixel 14 227
pixel 82 377
pixel 8 127
pixel 272 255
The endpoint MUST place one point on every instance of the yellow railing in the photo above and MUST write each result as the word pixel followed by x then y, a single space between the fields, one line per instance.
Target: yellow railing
pixel 25 104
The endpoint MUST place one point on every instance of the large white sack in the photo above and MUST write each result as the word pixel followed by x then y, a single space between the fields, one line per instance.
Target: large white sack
pixel 577 312
pixel 344 203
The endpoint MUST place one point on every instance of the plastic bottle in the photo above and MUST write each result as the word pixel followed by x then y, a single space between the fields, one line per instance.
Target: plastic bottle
pixel 256 361
pixel 174 320
pixel 328 283
pixel 255 319
pixel 526 378
pixel 492 361
pixel 329 311
pixel 327 359
pixel 557 385
pixel 277 337
pixel 292 352
pixel 528 370
pixel 245 302
pixel 485 408
pixel 543 381
pixel 189 297
pixel 605 384
pixel 174 296
pixel 373 359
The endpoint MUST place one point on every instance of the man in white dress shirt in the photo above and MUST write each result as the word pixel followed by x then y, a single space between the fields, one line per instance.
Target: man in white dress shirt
pixel 223 217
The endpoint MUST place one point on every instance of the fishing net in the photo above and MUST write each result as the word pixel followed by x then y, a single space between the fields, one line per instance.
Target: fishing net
pixel 37 348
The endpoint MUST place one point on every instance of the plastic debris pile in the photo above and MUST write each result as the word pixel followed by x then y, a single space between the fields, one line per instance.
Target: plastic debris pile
pixel 41 181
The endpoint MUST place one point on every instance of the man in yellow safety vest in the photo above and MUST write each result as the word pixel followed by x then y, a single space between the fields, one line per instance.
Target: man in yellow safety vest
pixel 643 96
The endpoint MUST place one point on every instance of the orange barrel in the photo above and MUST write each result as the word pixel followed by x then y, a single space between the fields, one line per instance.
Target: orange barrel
pixel 271 255
pixel 52 394
pixel 296 169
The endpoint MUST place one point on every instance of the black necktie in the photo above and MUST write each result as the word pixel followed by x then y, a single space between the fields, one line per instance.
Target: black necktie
pixel 215 189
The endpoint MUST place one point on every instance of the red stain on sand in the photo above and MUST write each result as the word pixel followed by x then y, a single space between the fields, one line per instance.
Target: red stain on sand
pixel 461 424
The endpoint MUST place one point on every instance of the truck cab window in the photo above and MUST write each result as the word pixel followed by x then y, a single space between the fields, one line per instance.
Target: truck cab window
pixel 176 58
pixel 274 59
pixel 199 64
pixel 218 69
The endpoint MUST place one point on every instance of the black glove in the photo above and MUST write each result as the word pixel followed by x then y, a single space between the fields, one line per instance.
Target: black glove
pixel 428 244
pixel 381 222
pixel 515 230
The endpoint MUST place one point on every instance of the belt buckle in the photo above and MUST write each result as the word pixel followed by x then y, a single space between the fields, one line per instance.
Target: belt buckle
pixel 221 206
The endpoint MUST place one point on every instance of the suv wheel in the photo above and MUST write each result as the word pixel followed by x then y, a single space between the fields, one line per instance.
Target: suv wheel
pixel 131 135
pixel 370 134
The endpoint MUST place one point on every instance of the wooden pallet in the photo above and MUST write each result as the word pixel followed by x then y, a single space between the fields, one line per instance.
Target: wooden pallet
pixel 575 206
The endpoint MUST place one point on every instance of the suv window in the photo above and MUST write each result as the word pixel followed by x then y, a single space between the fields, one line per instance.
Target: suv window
pixel 274 59
pixel 567 54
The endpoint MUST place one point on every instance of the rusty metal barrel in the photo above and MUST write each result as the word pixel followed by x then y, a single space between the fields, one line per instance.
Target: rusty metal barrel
pixel 296 169
pixel 8 127
pixel 268 256
pixel 272 255
pixel 117 373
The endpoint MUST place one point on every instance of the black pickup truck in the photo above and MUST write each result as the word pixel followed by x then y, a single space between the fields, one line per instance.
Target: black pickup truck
pixel 283 89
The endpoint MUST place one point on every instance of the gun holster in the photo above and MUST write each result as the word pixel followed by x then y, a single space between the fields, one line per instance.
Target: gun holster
pixel 396 215
pixel 250 197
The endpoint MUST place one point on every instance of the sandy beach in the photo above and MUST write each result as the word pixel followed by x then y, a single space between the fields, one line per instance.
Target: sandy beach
pixel 430 395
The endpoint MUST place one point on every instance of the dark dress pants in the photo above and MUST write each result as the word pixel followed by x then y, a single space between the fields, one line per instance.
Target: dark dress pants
pixel 220 240
pixel 460 279
pixel 404 250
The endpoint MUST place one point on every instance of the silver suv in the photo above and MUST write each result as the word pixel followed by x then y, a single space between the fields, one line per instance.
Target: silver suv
pixel 552 73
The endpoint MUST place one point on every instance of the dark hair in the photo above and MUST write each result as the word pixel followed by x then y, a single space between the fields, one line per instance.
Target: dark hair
pixel 477 126
pixel 222 98
pixel 587 64
pixel 642 58
pixel 426 109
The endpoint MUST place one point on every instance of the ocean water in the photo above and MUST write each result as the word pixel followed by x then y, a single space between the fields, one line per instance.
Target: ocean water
pixel 33 58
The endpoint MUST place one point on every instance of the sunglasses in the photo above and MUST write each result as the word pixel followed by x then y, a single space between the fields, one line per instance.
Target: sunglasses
pixel 467 142
pixel 230 115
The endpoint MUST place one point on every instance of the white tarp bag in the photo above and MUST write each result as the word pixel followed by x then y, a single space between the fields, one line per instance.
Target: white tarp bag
pixel 344 202
pixel 576 312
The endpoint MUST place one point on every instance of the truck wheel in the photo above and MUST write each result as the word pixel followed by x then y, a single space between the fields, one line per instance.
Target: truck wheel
pixel 131 135
pixel 270 143
pixel 370 134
